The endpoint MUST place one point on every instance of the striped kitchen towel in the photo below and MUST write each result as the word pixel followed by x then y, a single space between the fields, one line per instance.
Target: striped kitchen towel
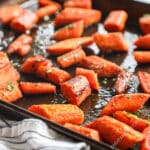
pixel 33 134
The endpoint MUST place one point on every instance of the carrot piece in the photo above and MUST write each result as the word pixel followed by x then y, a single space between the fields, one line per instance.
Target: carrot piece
pixel 145 144
pixel 127 102
pixel 115 132
pixel 144 23
pixel 131 120
pixel 31 63
pixel 91 76
pixel 91 133
pixel 37 88
pixel 69 45
pixel 9 91
pixel 102 67
pixel 24 21
pixel 71 58
pixel 76 90
pixel 142 57
pixel 111 42
pixel 19 42
pixel 48 2
pixel 69 15
pixel 59 113
pixel 52 74
pixel 143 42
pixel 78 4
pixel 122 81
pixel 73 30
pixel 47 10
pixel 24 50
pixel 116 20
pixel 144 79
pixel 8 13
pixel 4 61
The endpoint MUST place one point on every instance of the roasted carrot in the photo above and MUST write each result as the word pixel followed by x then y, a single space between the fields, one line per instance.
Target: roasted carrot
pixel 52 74
pixel 76 90
pixel 144 23
pixel 111 42
pixel 78 4
pixel 122 81
pixel 115 132
pixel 59 113
pixel 144 79
pixel 4 61
pixel 31 63
pixel 102 67
pixel 73 30
pixel 142 56
pixel 69 45
pixel 145 144
pixel 22 23
pixel 91 76
pixel 116 20
pixel 8 13
pixel 91 133
pixel 71 58
pixel 37 88
pixel 48 2
pixel 143 42
pixel 69 15
pixel 131 120
pixel 24 50
pixel 47 10
pixel 127 102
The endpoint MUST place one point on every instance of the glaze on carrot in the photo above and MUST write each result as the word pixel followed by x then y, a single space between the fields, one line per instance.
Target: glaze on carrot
pixel 71 58
pixel 91 133
pixel 59 113
pixel 37 88
pixel 142 56
pixel 69 15
pixel 48 2
pixel 101 66
pixel 90 75
pixel 73 30
pixel 122 81
pixel 116 20
pixel 111 42
pixel 131 120
pixel 69 45
pixel 76 90
pixel 127 102
pixel 115 132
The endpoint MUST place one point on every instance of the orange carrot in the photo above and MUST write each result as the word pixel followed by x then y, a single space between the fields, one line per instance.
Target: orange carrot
pixel 4 61
pixel 73 30
pixel 91 76
pixel 24 21
pixel 78 4
pixel 69 45
pixel 47 10
pixel 111 42
pixel 127 102
pixel 91 133
pixel 76 90
pixel 102 67
pixel 59 113
pixel 144 23
pixel 116 20
pixel 116 132
pixel 144 79
pixel 131 120
pixel 143 42
pixel 145 144
pixel 48 2
pixel 142 56
pixel 24 50
pixel 122 81
pixel 71 58
pixel 69 15
pixel 37 88
pixel 8 13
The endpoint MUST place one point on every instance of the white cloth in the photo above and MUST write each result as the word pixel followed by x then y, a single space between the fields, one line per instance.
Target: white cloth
pixel 33 134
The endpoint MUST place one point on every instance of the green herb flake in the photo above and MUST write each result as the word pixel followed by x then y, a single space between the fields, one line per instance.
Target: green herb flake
pixel 127 96
pixel 48 71
pixel 114 79
pixel 70 26
pixel 10 87
pixel 138 113
pixel 104 81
